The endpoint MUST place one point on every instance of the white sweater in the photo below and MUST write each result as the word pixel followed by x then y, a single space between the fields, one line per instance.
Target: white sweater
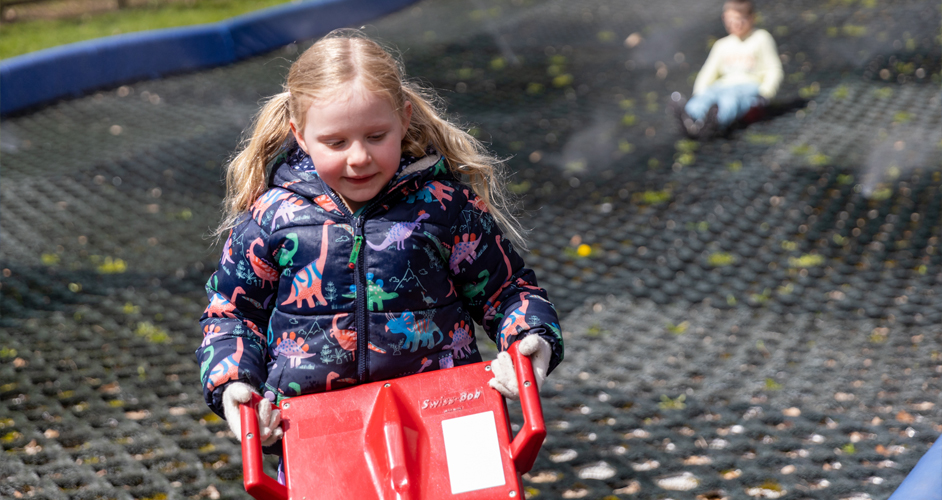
pixel 733 61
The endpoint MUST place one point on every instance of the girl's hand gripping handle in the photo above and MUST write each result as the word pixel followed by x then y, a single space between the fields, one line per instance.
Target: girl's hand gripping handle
pixel 526 444
pixel 257 483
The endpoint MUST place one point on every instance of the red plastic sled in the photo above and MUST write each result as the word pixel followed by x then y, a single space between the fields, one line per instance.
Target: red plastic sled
pixel 437 435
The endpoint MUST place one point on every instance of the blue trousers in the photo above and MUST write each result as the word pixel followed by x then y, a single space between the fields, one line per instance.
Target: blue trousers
pixel 924 482
pixel 732 102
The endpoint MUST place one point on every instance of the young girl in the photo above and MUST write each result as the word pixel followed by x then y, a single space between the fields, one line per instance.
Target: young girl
pixel 367 235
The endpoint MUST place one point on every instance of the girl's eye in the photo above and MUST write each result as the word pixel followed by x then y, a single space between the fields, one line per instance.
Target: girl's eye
pixel 378 137
pixel 334 144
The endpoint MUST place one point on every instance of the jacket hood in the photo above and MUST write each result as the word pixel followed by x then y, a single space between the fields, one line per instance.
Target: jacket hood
pixel 293 170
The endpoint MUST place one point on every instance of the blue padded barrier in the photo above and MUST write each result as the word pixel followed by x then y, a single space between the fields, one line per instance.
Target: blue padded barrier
pixel 924 482
pixel 74 69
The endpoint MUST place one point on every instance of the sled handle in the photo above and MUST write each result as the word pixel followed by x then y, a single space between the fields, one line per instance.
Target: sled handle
pixel 257 483
pixel 526 444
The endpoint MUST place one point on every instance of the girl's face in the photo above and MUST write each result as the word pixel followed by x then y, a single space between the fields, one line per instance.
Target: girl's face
pixel 737 23
pixel 354 139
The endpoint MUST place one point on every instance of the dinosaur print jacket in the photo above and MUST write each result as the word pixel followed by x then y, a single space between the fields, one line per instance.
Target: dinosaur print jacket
pixel 309 297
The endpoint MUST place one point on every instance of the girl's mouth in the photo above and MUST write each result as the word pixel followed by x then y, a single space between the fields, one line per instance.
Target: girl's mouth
pixel 360 180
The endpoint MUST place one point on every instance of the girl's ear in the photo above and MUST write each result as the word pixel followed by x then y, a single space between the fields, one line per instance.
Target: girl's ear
pixel 298 136
pixel 406 115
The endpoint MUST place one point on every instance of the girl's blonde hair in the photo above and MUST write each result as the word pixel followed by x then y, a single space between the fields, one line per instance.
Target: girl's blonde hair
pixel 339 58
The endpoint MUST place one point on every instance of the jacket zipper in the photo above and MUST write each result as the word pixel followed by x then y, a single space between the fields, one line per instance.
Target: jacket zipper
pixel 362 315
pixel 357 256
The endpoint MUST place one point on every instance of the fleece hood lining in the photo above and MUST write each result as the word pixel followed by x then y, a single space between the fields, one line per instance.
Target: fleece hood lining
pixel 421 164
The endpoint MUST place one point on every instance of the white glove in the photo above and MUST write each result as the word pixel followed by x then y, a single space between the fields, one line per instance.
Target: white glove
pixel 269 421
pixel 505 378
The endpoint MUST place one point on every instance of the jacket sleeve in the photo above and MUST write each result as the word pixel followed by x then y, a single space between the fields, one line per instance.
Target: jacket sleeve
pixel 710 72
pixel 501 294
pixel 241 299
pixel 770 67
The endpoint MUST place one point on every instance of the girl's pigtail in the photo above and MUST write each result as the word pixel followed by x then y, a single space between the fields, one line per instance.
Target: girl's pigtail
pixel 467 157
pixel 245 175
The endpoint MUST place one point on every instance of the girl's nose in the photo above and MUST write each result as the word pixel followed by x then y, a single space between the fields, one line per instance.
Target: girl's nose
pixel 357 155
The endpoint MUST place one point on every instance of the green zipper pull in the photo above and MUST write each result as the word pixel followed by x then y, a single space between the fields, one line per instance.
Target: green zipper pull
pixel 357 242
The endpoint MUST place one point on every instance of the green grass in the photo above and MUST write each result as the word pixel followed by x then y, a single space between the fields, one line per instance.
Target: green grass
pixel 23 37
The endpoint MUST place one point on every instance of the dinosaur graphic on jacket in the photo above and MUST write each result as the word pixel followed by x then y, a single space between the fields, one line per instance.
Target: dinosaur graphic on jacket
pixel 326 203
pixel 227 369
pixel 286 257
pixel 209 333
pixel 221 307
pixel 265 201
pixel 286 211
pixel 292 346
pixel 473 289
pixel 307 284
pixel 465 246
pixel 399 233
pixel 375 295
pixel 348 338
pixel 515 322
pixel 417 332
pixel 263 269
pixel 441 192
pixel 490 307
pixel 227 250
pixel 334 376
pixel 460 340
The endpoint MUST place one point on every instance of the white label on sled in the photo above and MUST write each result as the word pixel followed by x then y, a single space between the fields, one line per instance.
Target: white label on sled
pixel 473 452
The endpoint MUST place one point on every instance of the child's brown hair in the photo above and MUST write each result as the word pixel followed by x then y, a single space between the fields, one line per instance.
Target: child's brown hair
pixel 337 59
pixel 744 7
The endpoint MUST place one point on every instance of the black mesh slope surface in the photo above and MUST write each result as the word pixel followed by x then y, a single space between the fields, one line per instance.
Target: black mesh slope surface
pixel 757 315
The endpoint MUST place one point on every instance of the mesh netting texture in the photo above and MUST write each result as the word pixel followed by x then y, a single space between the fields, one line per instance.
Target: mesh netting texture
pixel 754 316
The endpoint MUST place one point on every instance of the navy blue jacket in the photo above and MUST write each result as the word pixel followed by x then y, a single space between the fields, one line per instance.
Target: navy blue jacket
pixel 309 297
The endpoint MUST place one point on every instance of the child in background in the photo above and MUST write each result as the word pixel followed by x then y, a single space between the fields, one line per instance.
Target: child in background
pixel 366 235
pixel 742 71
